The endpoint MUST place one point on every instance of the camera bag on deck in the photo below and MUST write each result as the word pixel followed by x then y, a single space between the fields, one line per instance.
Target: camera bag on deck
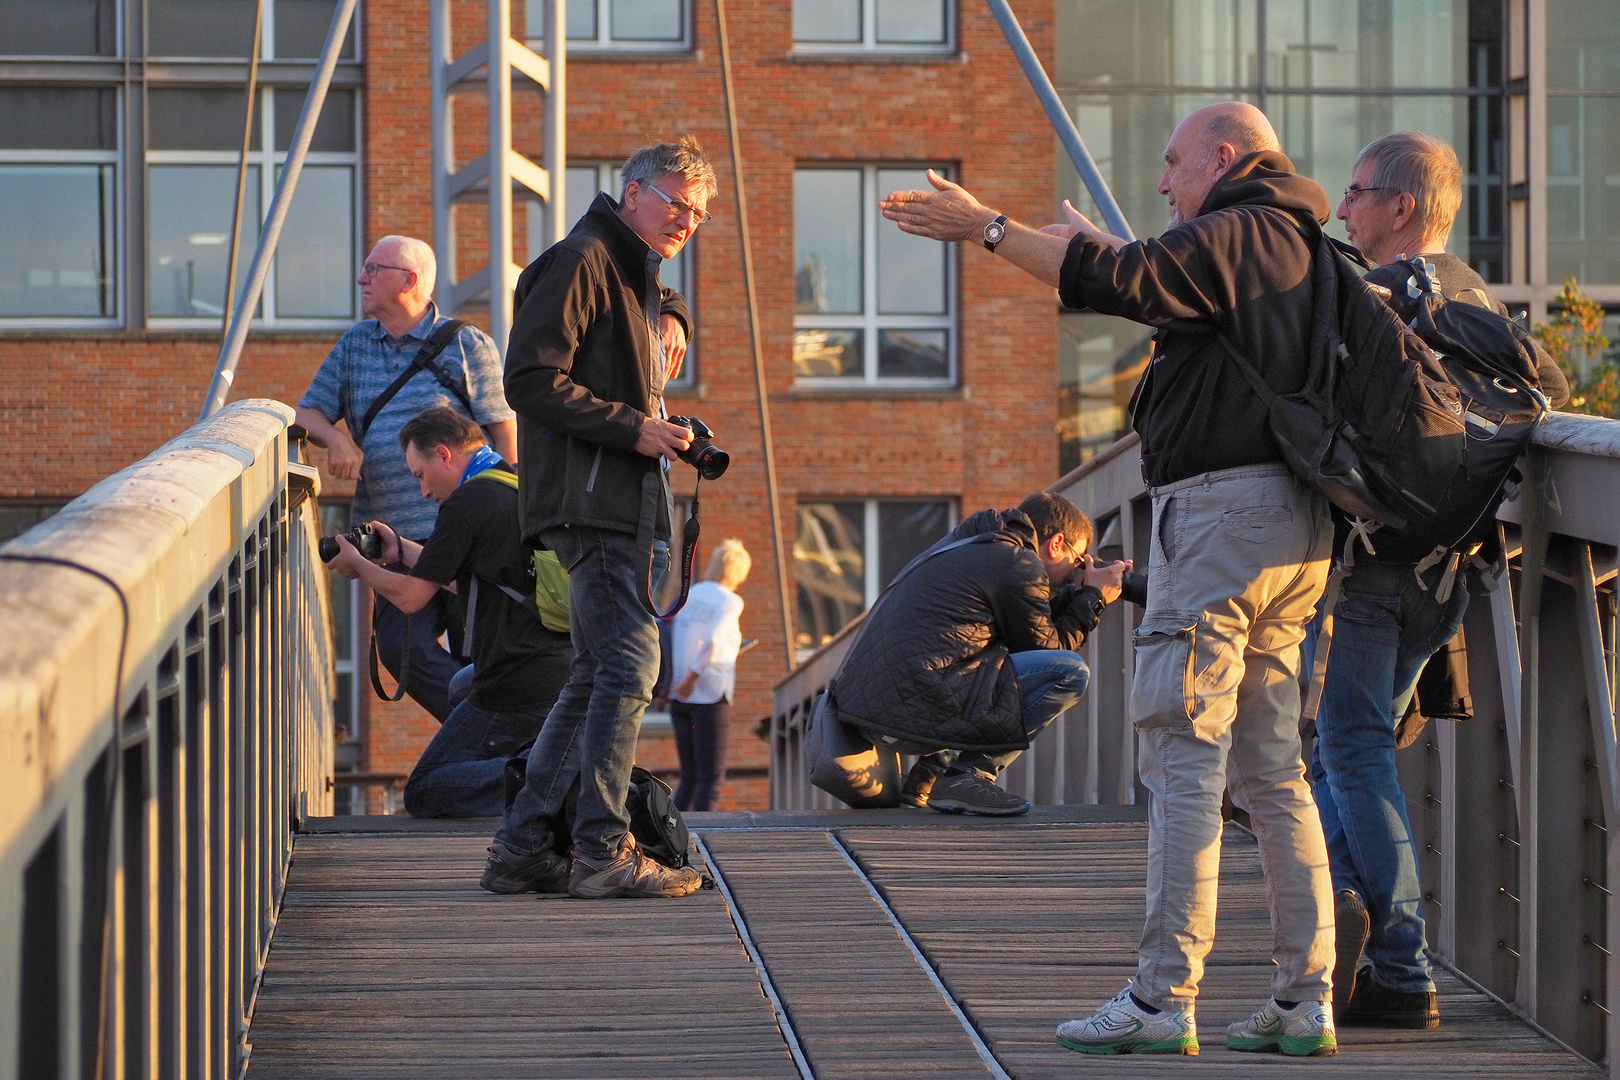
pixel 1416 426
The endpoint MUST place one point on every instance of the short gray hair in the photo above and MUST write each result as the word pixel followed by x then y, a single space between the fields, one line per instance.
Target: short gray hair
pixel 683 158
pixel 417 257
pixel 1424 167
pixel 1240 133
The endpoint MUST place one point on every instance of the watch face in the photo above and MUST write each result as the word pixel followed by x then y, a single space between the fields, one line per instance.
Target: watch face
pixel 994 231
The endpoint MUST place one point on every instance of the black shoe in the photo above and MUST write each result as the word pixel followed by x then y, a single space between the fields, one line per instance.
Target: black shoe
pixel 972 792
pixel 921 778
pixel 1377 1007
pixel 508 872
pixel 1351 927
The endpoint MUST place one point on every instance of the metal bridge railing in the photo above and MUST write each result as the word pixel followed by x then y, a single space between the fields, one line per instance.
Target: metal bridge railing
pixel 1511 809
pixel 148 809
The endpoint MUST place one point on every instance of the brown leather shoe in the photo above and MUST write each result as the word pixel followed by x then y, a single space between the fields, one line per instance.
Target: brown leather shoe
pixel 1351 926
pixel 1375 1006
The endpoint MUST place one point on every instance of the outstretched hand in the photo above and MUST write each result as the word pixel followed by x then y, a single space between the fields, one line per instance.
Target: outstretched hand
pixel 1080 225
pixel 949 212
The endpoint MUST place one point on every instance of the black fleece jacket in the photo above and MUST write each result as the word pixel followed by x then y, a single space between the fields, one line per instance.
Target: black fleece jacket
pixel 930 664
pixel 579 373
pixel 1242 266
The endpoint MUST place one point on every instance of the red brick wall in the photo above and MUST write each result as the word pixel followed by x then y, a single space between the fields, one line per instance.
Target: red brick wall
pixel 101 402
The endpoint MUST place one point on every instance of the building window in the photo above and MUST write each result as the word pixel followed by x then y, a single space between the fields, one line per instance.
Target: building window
pixel 872 25
pixel 634 25
pixel 847 551
pixel 59 28
pixel 194 136
pixel 583 182
pixel 873 305
pixel 293 29
pixel 58 203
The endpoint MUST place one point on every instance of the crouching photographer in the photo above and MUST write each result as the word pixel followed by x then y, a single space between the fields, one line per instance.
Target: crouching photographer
pixel 514 604
pixel 970 653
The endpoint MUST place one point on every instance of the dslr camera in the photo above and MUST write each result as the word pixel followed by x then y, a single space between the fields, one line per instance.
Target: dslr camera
pixel 708 459
pixel 363 537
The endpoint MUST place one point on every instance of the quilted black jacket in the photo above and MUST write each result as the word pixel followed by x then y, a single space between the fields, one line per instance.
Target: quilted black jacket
pixel 930 665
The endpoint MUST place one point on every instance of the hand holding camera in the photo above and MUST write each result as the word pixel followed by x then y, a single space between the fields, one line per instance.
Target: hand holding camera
pixel 1107 579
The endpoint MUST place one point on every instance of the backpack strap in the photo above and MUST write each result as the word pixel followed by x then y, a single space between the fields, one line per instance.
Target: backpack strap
pixel 422 361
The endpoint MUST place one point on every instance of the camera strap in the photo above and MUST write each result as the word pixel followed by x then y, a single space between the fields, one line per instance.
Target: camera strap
pixel 652 492
pixel 405 653
pixel 424 360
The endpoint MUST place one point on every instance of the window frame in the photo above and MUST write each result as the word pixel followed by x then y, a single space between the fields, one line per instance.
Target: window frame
pixel 269 161
pixel 267 41
pixel 607 177
pixel 869 45
pixel 869 322
pixel 117 271
pixel 605 42
pixel 871 545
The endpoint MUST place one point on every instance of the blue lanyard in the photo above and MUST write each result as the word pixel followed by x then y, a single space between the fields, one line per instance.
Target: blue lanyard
pixel 484 458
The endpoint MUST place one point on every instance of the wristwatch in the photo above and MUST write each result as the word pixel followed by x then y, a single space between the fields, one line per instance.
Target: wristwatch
pixel 994 231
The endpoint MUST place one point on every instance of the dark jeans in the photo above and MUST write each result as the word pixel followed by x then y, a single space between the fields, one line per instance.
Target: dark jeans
pixel 428 683
pixel 462 771
pixel 589 738
pixel 1385 627
pixel 702 733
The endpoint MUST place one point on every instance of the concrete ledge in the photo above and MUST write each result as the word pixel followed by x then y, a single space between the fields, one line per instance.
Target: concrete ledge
pixel 719 821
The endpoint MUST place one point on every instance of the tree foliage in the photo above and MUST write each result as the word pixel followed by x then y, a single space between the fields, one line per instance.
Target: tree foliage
pixel 1574 337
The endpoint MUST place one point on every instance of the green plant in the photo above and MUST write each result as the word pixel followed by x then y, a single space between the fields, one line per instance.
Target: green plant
pixel 1574 337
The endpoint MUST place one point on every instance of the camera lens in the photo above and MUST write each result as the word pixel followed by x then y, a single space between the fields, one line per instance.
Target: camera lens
pixel 711 462
pixel 328 548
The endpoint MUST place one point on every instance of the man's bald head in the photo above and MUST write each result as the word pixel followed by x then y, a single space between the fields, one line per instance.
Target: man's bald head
pixel 1207 143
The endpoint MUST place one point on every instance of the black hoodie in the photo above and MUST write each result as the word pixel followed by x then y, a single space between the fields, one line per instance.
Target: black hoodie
pixel 1242 266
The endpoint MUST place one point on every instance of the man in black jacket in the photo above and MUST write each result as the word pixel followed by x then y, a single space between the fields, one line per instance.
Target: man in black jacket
pixel 1398 604
pixel 971 654
pixel 585 371
pixel 1239 557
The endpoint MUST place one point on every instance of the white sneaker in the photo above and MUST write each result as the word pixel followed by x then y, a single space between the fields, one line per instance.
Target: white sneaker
pixel 1306 1030
pixel 1123 1027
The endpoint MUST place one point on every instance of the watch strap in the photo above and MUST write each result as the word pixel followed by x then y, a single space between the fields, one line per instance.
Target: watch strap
pixel 1001 222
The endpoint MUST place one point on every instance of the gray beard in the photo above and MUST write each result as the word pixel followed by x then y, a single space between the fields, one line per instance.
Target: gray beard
pixel 1174 219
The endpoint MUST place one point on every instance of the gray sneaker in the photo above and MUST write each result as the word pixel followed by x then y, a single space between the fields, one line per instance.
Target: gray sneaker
pixel 973 792
pixel 629 875
pixel 507 872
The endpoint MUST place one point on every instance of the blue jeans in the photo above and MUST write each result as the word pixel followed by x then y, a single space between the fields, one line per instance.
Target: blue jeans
pixel 462 771
pixel 589 739
pixel 1385 628
pixel 1049 681
pixel 702 735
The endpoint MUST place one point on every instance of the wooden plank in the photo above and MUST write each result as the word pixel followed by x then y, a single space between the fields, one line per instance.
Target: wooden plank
pixel 388 961
pixel 860 1004
pixel 1036 926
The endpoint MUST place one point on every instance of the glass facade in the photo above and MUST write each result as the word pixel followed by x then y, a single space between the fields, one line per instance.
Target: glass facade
pixel 1333 75
pixel 117 191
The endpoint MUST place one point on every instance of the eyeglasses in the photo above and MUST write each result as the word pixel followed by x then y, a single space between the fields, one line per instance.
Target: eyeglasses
pixel 370 269
pixel 1352 192
pixel 682 208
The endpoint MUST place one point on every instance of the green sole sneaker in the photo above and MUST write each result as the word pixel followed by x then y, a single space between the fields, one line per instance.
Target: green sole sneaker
pixel 1185 1047
pixel 1306 1030
pixel 1303 1046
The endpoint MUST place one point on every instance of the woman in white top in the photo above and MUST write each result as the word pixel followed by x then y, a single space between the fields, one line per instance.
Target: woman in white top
pixel 706 638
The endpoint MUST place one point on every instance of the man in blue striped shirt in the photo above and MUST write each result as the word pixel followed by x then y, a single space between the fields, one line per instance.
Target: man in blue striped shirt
pixel 396 290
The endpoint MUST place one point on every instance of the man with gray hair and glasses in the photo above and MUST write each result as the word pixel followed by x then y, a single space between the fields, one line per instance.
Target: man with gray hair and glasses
pixel 1238 557
pixel 401 360
pixel 585 370
pixel 1397 605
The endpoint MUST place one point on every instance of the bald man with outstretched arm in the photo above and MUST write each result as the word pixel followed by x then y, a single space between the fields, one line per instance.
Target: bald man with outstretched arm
pixel 1238 557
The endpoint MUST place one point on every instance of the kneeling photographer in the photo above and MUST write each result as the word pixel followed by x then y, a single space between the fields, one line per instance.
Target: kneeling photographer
pixel 970 652
pixel 515 633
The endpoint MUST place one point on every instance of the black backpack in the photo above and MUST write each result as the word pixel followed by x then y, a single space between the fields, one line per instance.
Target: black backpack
pixel 1414 427
pixel 655 821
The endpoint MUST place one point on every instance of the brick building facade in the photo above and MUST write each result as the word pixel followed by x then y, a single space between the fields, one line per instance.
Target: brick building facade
pixel 924 417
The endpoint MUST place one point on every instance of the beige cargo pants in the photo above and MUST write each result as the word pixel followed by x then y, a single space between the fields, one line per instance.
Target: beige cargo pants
pixel 1239 561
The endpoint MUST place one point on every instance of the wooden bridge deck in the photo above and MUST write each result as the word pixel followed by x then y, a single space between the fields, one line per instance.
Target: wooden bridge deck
pixel 388 961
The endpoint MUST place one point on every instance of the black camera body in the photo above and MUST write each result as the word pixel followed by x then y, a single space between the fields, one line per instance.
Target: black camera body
pixel 708 459
pixel 363 537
